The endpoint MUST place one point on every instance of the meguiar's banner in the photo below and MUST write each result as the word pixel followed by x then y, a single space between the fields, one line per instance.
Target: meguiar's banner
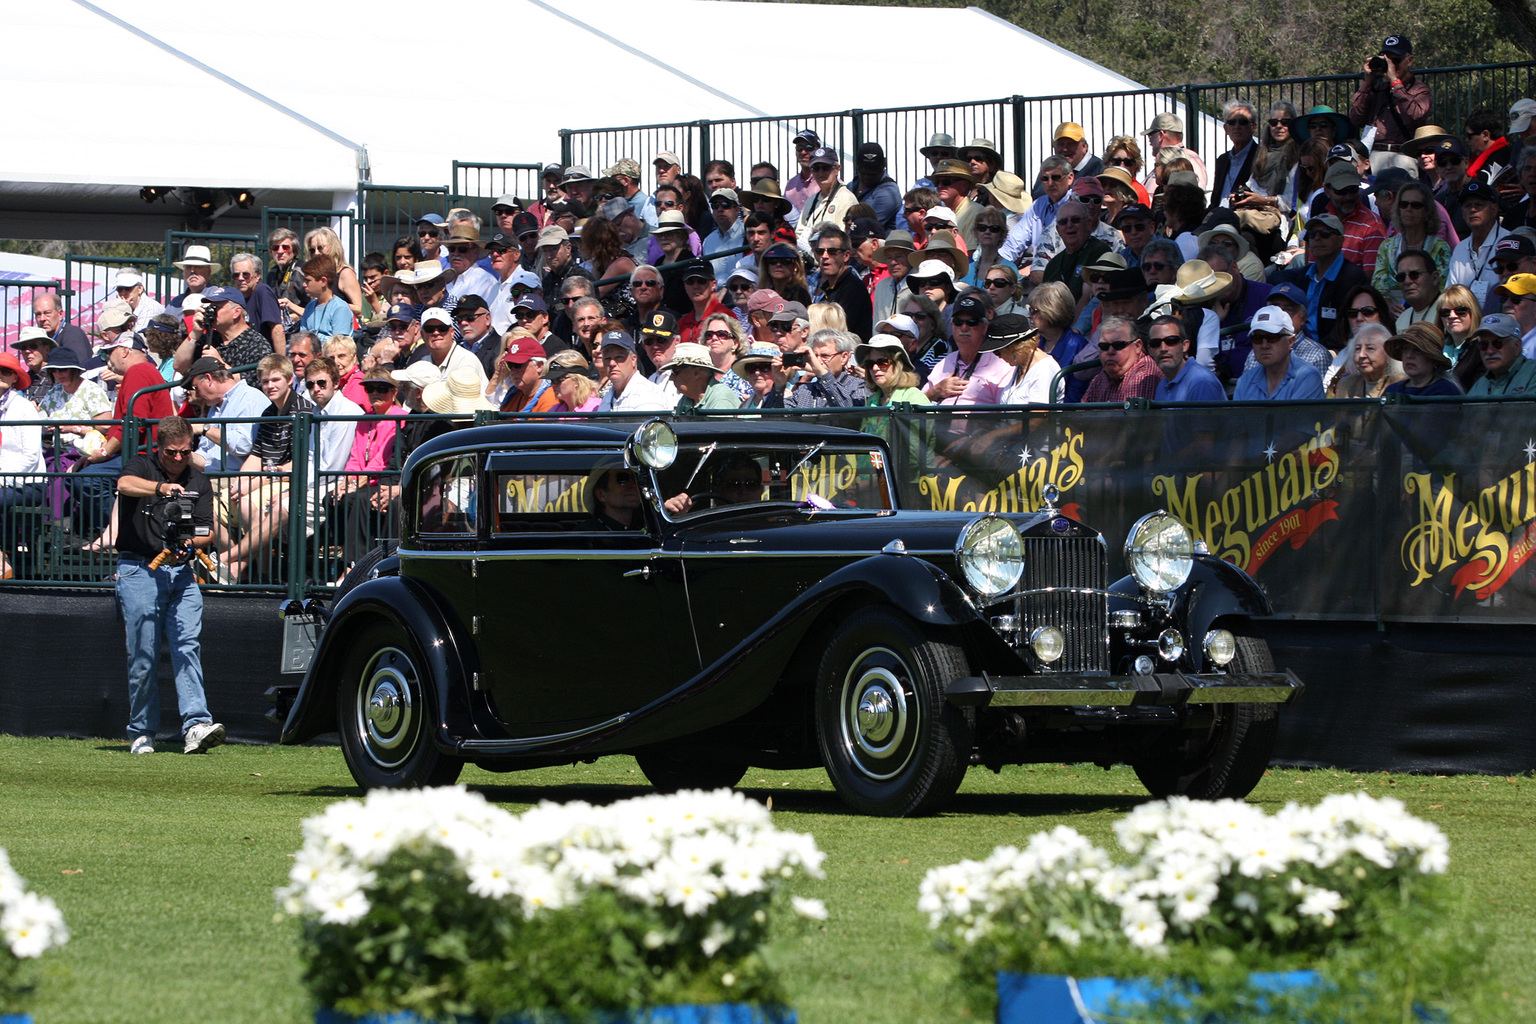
pixel 1339 509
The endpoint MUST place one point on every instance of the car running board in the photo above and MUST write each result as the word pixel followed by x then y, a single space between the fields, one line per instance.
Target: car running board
pixel 1156 690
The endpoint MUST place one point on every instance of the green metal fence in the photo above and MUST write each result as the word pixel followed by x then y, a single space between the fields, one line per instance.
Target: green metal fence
pixel 16 305
pixel 477 185
pixel 98 274
pixel 387 212
pixel 222 246
pixel 1020 127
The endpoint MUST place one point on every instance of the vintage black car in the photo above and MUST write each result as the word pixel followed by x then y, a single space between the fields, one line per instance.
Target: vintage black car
pixel 712 595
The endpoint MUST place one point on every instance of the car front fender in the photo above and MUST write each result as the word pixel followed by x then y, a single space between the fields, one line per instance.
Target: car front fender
pixel 411 608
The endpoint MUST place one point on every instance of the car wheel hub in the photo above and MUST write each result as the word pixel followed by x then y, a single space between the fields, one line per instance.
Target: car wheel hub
pixel 879 721
pixel 387 708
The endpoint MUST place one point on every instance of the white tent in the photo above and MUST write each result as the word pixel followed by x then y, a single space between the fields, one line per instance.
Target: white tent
pixel 300 99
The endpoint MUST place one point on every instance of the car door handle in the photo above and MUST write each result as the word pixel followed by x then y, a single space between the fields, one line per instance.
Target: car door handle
pixel 644 572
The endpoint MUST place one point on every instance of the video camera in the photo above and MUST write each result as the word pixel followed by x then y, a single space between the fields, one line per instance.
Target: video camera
pixel 170 522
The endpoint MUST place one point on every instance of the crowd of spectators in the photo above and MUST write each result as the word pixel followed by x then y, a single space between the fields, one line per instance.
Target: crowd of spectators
pixel 1347 254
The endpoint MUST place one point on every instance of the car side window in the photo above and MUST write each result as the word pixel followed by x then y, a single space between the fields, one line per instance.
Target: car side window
pixel 542 501
pixel 447 499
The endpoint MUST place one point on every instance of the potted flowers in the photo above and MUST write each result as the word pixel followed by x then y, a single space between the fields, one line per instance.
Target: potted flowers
pixel 1212 911
pixel 30 925
pixel 439 904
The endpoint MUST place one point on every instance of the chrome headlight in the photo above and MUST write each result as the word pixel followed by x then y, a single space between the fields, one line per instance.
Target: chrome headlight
pixel 1160 552
pixel 654 445
pixel 991 556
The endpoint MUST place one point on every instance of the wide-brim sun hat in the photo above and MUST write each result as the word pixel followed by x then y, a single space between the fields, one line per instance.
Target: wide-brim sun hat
pixel 1007 190
pixel 882 344
pixel 462 392
pixel 759 352
pixel 939 249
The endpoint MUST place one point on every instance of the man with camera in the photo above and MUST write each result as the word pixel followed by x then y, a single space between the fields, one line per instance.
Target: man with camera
pixel 167 515
pixel 222 330
pixel 1391 100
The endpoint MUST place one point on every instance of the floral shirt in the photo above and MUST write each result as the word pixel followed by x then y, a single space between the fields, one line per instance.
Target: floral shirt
pixel 89 401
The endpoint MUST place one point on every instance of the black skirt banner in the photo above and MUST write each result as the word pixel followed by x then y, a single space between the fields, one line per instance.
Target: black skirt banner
pixel 1341 510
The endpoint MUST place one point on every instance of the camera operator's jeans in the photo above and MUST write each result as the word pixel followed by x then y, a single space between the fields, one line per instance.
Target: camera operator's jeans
pixel 164 603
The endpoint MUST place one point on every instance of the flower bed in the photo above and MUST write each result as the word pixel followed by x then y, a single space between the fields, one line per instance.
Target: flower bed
pixel 1204 894
pixel 30 925
pixel 437 902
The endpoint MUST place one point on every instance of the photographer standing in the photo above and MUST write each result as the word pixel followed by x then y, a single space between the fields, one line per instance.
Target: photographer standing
pixel 1393 101
pixel 164 601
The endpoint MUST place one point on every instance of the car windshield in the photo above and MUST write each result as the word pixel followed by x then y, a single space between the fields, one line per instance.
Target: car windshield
pixel 815 474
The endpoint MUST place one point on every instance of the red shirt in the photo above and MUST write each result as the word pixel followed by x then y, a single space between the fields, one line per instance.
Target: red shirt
pixel 155 405
pixel 688 325
pixel 1140 381
pixel 1363 234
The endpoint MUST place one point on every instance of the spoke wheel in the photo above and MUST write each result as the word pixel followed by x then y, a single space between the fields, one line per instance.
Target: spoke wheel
pixel 1226 760
pixel 384 716
pixel 891 743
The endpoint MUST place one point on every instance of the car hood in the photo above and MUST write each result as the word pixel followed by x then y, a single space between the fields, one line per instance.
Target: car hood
pixel 787 529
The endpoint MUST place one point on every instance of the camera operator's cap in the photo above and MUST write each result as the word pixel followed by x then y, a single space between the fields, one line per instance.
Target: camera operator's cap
pixel 807 138
pixel 1137 210
pixel 789 313
pixel 510 202
pixel 617 339
pixel 972 304
pixel 1519 284
pixel 534 302
pixel 128 279
pixel 520 350
pixel 1396 46
pixel 1514 245
pixel 899 322
pixel 437 314
pixel 658 326
pixel 553 235
pixel 1480 190
pixel 420 373
pixel 219 294
pixel 1165 123
pixel 695 269
pixel 1343 175
pixel 1328 221
pixel 31 337
pixel 628 167
pixel 403 313
pixel 1499 325
pixel 63 359
pixel 1521 113
pixel 1068 130
pixel 1271 320
pixel 207 364
pixel 871 155
pixel 1008 329
pixel 525 223
pixel 863 229
pixel 824 156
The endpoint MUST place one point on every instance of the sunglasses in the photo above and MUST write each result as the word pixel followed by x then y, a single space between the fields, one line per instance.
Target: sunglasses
pixel 722 204
pixel 1412 204
pixel 1155 266
pixel 1361 312
pixel 1493 342
pixel 830 250
pixel 429 234
pixel 1239 122
pixel 716 335
pixel 437 328
pixel 1324 233
pixel 378 389
pixel 781 328
pixel 1053 177
pixel 666 203
pixel 1276 122
pixel 1409 275
pixel 989 227
pixel 878 362
pixel 1105 346
pixel 1095 200
pixel 1122 161
pixel 965 322
pixel 644 284
pixel 1171 342
pixel 999 282
pixel 460 250
pixel 285 247
pixel 910 210
pixel 1459 311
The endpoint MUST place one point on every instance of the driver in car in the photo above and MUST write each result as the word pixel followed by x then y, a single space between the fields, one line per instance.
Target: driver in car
pixel 616 496
pixel 738 480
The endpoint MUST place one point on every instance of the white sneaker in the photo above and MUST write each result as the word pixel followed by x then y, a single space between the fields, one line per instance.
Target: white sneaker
pixel 202 736
pixel 142 745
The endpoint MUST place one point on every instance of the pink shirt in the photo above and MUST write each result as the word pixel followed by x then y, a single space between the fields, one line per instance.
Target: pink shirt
pixel 351 385
pixel 374 443
pixel 989 378
pixel 590 405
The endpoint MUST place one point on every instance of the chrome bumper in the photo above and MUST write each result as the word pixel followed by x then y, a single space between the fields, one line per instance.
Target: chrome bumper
pixel 1160 690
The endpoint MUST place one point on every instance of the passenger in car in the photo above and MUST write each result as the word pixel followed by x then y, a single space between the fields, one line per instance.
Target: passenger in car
pixel 616 500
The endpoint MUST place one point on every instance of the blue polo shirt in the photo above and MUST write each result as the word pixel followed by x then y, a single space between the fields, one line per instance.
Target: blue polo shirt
pixel 1302 381
pixel 1193 383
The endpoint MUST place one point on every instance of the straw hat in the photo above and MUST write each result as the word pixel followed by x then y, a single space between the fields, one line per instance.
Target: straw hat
pixel 1226 231
pixel 759 352
pixel 1427 137
pixel 1198 283
pixel 690 353
pixel 940 249
pixel 460 394
pixel 1007 190
pixel 196 256
pixel 900 240
pixel 767 188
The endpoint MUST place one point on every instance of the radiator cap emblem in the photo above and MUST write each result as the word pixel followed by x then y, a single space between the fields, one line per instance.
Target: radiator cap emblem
pixel 1060 525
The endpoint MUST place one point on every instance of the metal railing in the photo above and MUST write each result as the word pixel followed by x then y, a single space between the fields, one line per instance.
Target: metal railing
pixel 476 185
pixel 91 282
pixel 222 247
pixel 387 212
pixel 16 305
pixel 1019 126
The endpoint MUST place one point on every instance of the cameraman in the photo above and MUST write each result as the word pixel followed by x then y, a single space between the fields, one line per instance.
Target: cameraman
pixel 1394 102
pixel 164 601
pixel 221 330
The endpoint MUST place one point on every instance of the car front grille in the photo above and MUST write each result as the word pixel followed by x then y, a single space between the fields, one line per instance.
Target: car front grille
pixel 1068 562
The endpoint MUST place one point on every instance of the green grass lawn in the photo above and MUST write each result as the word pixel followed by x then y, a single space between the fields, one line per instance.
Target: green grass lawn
pixel 164 867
